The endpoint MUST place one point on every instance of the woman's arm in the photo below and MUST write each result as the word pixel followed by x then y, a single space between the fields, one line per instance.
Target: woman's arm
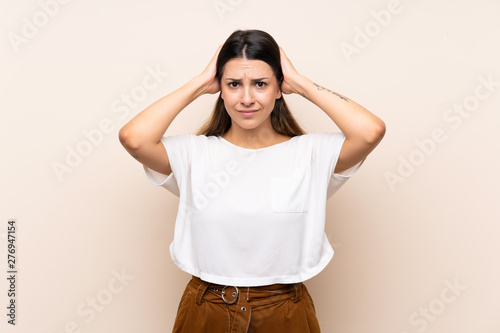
pixel 141 136
pixel 362 129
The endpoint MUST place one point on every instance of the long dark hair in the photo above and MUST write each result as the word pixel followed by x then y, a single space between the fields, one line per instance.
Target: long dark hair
pixel 252 45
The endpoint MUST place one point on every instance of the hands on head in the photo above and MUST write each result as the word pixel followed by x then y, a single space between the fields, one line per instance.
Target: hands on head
pixel 290 75
pixel 212 85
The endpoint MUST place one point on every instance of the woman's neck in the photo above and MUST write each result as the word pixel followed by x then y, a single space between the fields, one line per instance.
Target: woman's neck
pixel 254 138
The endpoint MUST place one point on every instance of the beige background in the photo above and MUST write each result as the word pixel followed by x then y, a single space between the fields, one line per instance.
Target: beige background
pixel 399 245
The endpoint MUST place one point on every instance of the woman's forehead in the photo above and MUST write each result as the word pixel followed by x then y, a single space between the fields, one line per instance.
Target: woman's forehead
pixel 239 68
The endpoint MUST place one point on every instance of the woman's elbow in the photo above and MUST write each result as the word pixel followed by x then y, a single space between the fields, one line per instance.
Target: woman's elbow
pixel 127 138
pixel 376 132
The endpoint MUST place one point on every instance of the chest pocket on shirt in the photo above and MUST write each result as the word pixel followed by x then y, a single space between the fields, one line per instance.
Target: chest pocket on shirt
pixel 291 194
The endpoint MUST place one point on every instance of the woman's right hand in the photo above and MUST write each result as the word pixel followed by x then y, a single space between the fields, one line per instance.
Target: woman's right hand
pixel 210 83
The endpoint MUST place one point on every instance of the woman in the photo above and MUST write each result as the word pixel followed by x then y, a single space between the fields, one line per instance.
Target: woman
pixel 252 187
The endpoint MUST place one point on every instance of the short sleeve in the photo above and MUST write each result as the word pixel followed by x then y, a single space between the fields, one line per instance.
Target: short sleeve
pixel 178 148
pixel 326 151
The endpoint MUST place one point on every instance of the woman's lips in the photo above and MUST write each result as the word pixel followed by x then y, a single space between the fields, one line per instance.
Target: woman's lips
pixel 247 113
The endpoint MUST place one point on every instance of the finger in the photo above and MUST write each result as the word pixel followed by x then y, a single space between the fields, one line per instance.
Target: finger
pixel 216 55
pixel 285 62
pixel 282 54
pixel 217 52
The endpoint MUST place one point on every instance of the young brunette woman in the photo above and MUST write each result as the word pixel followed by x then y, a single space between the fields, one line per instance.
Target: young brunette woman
pixel 252 187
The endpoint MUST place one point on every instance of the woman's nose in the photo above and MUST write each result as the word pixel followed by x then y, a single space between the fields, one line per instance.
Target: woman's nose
pixel 247 96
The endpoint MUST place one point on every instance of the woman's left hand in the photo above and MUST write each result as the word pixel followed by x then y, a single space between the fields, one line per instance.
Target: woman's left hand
pixel 290 75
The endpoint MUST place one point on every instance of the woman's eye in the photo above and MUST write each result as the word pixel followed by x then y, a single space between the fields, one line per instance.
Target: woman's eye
pixel 236 84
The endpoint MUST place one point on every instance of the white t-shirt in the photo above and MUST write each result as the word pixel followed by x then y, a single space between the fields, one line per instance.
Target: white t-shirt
pixel 252 217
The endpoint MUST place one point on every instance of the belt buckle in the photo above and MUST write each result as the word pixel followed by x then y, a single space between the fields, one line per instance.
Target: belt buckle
pixel 235 296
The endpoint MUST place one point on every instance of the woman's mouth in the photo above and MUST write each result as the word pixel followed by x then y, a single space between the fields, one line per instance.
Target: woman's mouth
pixel 247 113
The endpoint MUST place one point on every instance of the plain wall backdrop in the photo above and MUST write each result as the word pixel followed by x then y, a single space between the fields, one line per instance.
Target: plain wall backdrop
pixel 415 231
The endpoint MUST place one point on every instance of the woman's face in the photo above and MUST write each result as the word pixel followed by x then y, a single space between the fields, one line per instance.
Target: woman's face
pixel 249 90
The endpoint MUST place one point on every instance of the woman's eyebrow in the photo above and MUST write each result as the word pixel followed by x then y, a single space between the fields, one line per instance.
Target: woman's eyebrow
pixel 253 80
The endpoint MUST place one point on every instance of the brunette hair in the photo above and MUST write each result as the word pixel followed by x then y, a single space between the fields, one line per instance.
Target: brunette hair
pixel 252 45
